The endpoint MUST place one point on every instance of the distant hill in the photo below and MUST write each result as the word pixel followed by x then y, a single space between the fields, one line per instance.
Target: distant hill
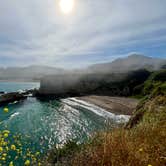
pixel 121 65
pixel 30 73
pixel 132 62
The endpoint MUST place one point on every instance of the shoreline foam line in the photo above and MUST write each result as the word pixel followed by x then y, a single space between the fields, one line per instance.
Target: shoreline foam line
pixel 95 109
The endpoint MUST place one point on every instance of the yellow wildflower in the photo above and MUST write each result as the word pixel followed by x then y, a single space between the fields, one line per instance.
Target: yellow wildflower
pixel 13 147
pixel 27 162
pixel 6 135
pixel 6 110
pixel 39 164
pixel 149 165
pixel 3 158
pixel 11 163
pixel 4 154
pixel 1 149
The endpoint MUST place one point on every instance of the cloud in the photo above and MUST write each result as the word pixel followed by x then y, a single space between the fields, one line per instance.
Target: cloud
pixel 36 31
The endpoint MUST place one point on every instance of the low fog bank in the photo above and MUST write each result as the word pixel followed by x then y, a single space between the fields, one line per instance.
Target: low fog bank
pixel 120 84
pixel 115 78
pixel 30 73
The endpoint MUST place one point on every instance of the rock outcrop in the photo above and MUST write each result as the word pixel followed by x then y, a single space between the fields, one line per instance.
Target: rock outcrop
pixel 11 97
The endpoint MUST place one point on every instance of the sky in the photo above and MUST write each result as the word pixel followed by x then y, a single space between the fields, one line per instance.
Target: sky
pixel 37 32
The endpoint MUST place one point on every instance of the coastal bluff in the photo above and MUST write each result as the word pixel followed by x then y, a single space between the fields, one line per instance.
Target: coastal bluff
pixel 116 84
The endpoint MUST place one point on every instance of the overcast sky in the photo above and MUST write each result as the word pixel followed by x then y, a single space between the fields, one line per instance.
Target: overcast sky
pixel 37 32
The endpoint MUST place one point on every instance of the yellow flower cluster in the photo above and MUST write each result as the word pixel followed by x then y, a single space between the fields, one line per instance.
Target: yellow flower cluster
pixel 11 150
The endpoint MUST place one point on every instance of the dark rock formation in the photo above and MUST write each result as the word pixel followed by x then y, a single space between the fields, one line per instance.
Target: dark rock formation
pixel 11 97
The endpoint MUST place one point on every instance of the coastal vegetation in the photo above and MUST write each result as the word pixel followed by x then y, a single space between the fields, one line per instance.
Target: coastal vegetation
pixel 139 142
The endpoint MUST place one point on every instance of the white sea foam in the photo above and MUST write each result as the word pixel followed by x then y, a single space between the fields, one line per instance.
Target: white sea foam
pixel 15 102
pixel 13 115
pixel 97 110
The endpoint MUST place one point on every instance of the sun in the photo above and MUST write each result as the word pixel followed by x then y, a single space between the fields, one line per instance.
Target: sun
pixel 66 6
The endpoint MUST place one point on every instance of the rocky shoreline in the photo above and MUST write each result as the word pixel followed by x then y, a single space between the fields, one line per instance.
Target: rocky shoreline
pixel 6 98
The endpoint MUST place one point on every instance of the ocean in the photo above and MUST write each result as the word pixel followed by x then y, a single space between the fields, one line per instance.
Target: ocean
pixel 16 86
pixel 42 125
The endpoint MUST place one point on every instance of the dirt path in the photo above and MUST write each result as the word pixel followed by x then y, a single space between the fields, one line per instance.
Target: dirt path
pixel 116 105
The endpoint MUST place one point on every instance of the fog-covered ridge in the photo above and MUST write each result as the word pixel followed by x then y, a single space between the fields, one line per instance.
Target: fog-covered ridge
pixel 121 65
pixel 115 78
pixel 132 62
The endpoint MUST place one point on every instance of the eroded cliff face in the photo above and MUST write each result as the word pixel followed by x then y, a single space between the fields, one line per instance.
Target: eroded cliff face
pixel 101 84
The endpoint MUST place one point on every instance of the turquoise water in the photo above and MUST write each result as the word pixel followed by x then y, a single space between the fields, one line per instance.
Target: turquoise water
pixel 42 125
pixel 16 86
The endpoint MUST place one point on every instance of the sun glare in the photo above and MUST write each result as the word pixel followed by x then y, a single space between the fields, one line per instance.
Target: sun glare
pixel 66 6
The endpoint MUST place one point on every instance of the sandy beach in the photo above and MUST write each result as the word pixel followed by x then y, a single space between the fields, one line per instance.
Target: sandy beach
pixel 116 105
